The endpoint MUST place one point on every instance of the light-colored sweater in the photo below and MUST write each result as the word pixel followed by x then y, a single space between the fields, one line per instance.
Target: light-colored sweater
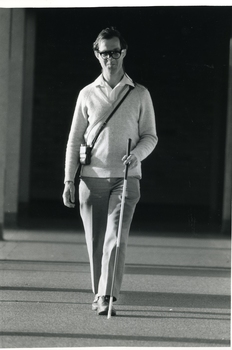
pixel 134 119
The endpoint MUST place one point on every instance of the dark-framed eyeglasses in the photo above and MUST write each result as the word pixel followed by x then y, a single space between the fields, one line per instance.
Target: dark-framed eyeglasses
pixel 114 54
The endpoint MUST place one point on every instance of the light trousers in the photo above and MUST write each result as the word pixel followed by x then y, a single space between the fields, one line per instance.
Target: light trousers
pixel 100 203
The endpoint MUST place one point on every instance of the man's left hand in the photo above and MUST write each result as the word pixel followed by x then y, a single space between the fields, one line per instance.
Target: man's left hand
pixel 131 160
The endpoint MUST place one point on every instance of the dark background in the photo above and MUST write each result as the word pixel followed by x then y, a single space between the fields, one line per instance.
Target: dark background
pixel 181 55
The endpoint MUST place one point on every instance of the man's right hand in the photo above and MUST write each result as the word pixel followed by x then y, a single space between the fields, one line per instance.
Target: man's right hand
pixel 69 194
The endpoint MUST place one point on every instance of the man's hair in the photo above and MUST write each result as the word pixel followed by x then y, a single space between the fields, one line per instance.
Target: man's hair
pixel 109 33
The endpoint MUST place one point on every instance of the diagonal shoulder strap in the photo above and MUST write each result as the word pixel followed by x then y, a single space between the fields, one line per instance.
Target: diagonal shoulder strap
pixel 111 114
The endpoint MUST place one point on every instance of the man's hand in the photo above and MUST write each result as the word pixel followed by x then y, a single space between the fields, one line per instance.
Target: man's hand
pixel 131 160
pixel 69 194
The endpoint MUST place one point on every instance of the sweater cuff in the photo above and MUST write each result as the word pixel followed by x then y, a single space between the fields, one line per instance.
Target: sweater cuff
pixel 136 154
pixel 68 178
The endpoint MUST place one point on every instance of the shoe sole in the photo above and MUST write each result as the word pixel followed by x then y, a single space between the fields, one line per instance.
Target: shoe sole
pixel 105 312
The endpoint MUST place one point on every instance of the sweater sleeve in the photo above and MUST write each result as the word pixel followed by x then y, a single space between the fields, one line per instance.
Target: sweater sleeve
pixel 147 127
pixel 76 137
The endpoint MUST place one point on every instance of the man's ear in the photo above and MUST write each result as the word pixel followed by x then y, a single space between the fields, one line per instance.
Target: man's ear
pixel 96 54
pixel 124 52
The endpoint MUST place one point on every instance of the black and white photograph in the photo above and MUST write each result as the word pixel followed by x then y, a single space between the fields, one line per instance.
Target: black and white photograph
pixel 115 175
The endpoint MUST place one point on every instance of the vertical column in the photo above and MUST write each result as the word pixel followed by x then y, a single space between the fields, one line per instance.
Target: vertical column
pixel 218 150
pixel 228 157
pixel 14 115
pixel 27 110
pixel 4 60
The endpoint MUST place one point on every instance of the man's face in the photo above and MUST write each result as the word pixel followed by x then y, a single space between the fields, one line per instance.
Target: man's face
pixel 111 65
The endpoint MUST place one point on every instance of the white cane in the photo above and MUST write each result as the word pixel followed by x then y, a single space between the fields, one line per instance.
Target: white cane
pixel 119 230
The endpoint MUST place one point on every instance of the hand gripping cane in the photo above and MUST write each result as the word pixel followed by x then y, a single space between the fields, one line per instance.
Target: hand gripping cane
pixel 119 230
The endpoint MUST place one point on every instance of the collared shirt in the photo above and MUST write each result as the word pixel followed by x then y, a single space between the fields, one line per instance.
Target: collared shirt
pixel 112 94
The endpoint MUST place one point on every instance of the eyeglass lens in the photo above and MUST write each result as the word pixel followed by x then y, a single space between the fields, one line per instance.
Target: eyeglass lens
pixel 114 54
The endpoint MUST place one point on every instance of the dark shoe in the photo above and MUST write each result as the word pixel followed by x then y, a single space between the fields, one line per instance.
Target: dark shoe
pixel 95 304
pixel 103 306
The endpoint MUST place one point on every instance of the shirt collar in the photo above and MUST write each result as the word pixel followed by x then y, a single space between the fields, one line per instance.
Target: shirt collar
pixel 126 80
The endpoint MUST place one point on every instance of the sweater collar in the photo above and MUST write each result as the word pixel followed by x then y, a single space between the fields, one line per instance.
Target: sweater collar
pixel 126 80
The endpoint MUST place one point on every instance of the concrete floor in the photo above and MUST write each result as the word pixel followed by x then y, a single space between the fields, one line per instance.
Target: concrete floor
pixel 176 291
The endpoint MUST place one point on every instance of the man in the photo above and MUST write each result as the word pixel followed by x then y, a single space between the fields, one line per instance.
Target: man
pixel 101 181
